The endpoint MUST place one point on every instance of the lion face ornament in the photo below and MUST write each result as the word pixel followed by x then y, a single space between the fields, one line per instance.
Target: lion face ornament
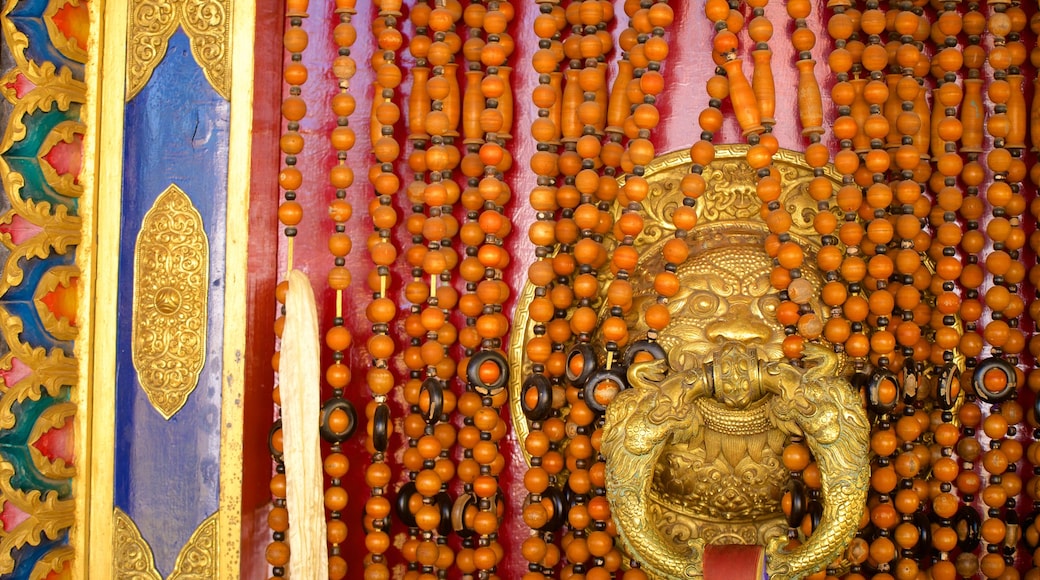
pixel 694 446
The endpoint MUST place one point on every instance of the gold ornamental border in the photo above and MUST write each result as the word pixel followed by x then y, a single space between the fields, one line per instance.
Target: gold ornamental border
pixel 208 24
pixel 796 174
pixel 134 557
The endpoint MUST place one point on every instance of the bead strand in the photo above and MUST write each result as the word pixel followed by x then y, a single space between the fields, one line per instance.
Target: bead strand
pixel 946 133
pixel 911 280
pixel 290 213
pixel 339 418
pixel 948 130
pixel 432 259
pixel 485 366
pixel 382 310
pixel 545 350
pixel 583 91
pixel 875 270
pixel 583 88
pixel 996 382
pixel 835 292
pixel 1032 532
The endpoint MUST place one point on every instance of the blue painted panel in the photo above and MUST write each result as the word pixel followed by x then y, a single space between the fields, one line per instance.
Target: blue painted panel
pixel 168 472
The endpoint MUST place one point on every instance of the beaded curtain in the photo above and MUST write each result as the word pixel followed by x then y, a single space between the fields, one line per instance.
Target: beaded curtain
pixel 951 494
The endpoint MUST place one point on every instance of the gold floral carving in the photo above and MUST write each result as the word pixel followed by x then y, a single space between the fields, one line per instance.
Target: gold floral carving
pixel 59 230
pixel 53 561
pixel 694 448
pixel 171 279
pixel 132 558
pixel 207 24
pixel 50 372
pixel 731 199
pixel 47 516
pixel 198 557
pixel 65 45
pixel 51 86
pixel 133 555
pixel 65 184
pixel 61 328
pixel 53 417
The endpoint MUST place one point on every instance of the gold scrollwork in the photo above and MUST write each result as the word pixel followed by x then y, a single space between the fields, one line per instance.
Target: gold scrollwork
pixel 207 24
pixel 134 560
pixel 57 324
pixel 171 279
pixel 46 516
pixel 198 557
pixel 59 231
pixel 50 86
pixel 48 372
pixel 53 561
pixel 66 184
pixel 54 417
pixel 731 198
pixel 67 46
pixel 132 557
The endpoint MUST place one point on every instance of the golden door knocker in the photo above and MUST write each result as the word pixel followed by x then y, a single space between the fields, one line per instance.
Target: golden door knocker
pixel 694 447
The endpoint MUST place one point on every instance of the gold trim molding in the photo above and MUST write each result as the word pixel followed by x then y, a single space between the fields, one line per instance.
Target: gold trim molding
pixel 134 559
pixel 207 24
pixel 171 284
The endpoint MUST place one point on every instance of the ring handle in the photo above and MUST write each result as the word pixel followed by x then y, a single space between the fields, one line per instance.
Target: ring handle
pixel 330 434
pixel 482 385
pixel 581 363
pixel 433 389
pixel 381 428
pixel 542 387
pixel 1001 390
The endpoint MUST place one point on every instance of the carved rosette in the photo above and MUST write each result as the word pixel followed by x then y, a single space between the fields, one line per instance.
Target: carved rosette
pixel 171 278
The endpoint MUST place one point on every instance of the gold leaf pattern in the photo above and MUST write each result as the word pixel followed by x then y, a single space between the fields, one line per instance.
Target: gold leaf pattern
pixel 61 328
pixel 171 279
pixel 207 24
pixel 65 184
pixel 49 372
pixel 132 559
pixel 54 417
pixel 69 47
pixel 133 556
pixel 46 515
pixel 198 557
